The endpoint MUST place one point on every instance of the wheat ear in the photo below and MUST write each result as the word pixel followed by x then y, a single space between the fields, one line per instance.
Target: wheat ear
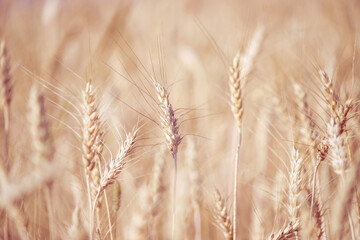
pixel 113 169
pixel 39 126
pixel 5 96
pixel 170 129
pixel 90 128
pixel 117 164
pixel 43 143
pixel 289 231
pixel 295 180
pixel 222 217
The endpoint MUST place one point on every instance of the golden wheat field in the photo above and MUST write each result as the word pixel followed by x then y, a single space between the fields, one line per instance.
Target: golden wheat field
pixel 179 119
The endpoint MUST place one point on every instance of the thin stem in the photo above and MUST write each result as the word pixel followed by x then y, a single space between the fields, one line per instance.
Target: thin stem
pixel 197 221
pixel 236 168
pixel 50 211
pixel 7 133
pixel 6 162
pixel 314 185
pixel 174 198
pixel 347 210
pixel 90 207
pixel 108 214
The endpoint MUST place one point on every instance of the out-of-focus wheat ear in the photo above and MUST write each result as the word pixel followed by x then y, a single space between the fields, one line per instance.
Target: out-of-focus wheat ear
pixel 16 215
pixel 35 180
pixel 280 196
pixel 252 49
pixel 138 229
pixel 289 231
pixel 6 86
pixel 295 181
pixel 307 126
pixel 330 95
pixel 76 230
pixel 158 189
pixel 5 97
pixel 43 143
pixel 40 128
pixel 343 204
pixel 222 217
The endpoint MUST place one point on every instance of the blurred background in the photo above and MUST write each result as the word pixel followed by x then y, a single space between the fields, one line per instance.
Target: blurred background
pixel 188 46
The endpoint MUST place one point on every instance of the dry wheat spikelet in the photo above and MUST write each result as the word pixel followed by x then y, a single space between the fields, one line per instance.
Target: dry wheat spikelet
pixel 289 231
pixel 117 164
pixel 168 120
pixel 16 215
pixel 39 126
pixel 222 217
pixel 5 79
pixel 158 189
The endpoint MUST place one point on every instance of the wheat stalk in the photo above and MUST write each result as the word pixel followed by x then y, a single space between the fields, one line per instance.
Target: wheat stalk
pixel 344 201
